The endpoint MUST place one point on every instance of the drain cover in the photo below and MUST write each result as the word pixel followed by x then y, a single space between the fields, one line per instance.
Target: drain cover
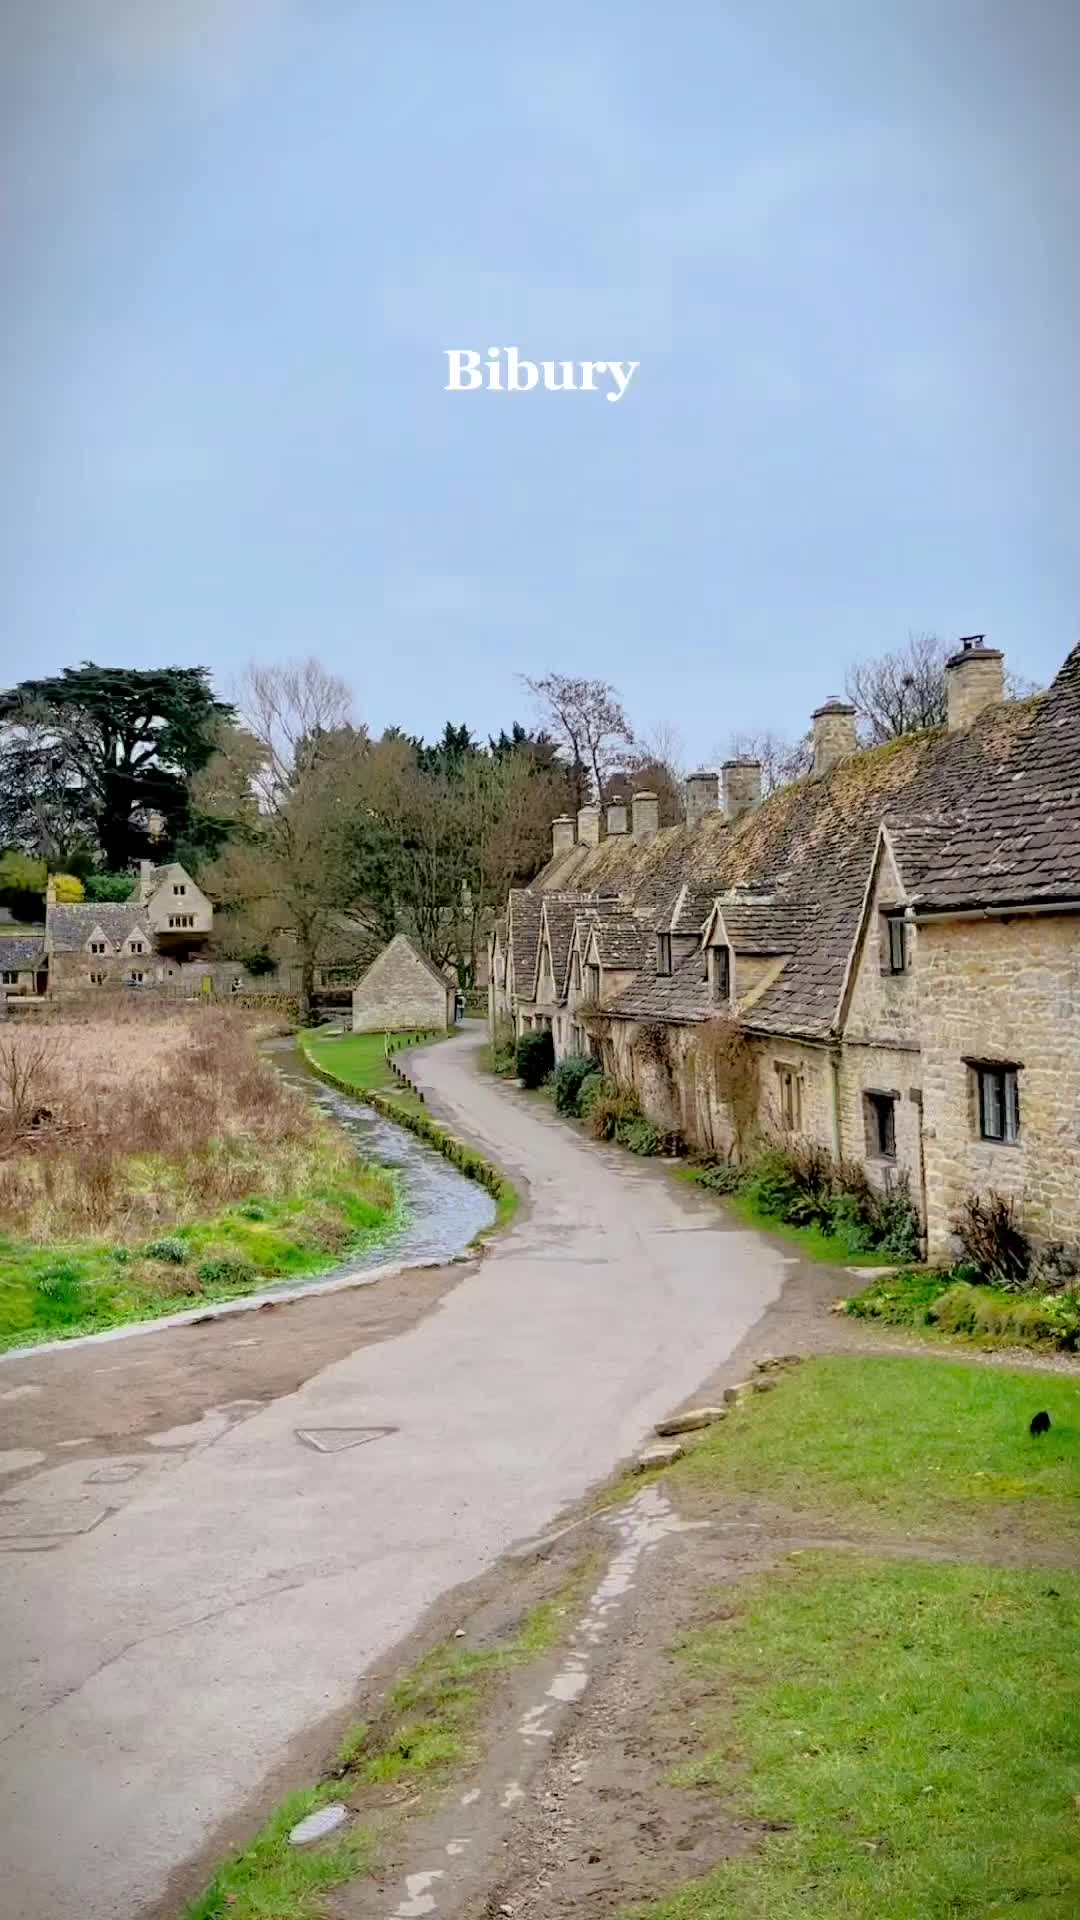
pixel 338 1439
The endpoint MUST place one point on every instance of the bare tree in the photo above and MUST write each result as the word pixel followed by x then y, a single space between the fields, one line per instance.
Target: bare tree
pixel 904 691
pixel 587 718
pixel 782 760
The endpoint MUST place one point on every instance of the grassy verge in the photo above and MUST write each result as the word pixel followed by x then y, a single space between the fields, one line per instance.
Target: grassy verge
pixel 427 1729
pixel 912 1737
pixel 941 1302
pixel 356 1063
pixel 813 1242
pixel 59 1291
pixel 919 1443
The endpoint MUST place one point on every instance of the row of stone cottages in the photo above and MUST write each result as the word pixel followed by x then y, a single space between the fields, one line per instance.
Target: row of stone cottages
pixel 897 937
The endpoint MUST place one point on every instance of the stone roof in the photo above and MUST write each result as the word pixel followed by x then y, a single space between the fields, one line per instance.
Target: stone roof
pixel 524 926
pixel 559 915
pixel 21 951
pixel 808 849
pixel 622 941
pixel 69 928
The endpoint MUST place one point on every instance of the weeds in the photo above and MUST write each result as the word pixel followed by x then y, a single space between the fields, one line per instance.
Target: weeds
pixel 992 1242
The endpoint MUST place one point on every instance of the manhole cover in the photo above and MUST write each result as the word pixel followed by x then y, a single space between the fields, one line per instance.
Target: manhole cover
pixel 338 1439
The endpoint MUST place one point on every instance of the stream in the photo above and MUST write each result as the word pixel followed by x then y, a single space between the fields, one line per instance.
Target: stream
pixel 443 1210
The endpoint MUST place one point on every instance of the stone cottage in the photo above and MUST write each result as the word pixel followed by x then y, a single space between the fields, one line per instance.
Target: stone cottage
pixel 895 940
pixel 402 991
pixel 153 939
pixel 22 963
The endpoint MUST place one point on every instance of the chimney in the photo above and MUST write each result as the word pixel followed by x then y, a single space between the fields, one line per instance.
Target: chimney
pixel 616 817
pixel 563 834
pixel 646 810
pixel 50 891
pixel 590 823
pixel 146 881
pixel 742 787
pixel 974 679
pixel 834 733
pixel 702 795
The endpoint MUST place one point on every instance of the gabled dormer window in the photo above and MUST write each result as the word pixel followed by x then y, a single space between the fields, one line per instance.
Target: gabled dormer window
pixel 592 982
pixel 663 953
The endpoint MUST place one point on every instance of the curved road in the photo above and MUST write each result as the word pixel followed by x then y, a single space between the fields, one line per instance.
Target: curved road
pixel 174 1616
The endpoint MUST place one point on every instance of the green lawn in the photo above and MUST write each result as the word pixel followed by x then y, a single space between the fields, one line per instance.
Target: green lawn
pixel 919 1443
pixel 907 1736
pixel 359 1058
pixel 813 1243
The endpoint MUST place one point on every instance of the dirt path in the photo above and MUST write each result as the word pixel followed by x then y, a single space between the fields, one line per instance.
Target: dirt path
pixel 221 1540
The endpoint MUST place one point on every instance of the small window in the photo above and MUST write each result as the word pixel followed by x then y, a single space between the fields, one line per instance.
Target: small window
pixel 136 977
pixel 97 979
pixel 897 931
pixel 577 973
pixel 881 1125
pixel 97 946
pixel 592 979
pixel 10 979
pixel 179 889
pixel 663 953
pixel 137 947
pixel 790 1099
pixel 720 972
pixel 999 1103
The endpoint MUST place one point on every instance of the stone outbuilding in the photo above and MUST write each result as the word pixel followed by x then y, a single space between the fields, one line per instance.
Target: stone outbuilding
pixel 401 991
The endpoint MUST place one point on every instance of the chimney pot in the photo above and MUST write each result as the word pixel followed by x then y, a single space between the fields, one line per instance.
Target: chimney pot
pixel 646 812
pixel 702 795
pixel 834 733
pixel 563 834
pixel 742 787
pixel 974 679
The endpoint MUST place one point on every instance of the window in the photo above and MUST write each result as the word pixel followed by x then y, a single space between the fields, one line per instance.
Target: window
pixel 98 979
pixel 137 947
pixel 897 932
pixel 592 982
pixel 577 973
pixel 663 953
pixel 98 946
pixel 179 889
pixel 790 1098
pixel 999 1103
pixel 881 1125
pixel 719 973
pixel 136 977
pixel 181 920
pixel 10 979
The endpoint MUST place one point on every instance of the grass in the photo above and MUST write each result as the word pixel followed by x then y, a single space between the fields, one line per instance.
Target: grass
pixel 357 1062
pixel 920 1443
pixel 427 1729
pixel 943 1302
pixel 912 1735
pixel 173 1167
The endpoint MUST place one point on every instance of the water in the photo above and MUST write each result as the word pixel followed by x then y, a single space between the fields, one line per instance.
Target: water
pixel 443 1210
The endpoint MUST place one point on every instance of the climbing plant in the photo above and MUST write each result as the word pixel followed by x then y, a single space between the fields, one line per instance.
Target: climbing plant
pixel 721 1048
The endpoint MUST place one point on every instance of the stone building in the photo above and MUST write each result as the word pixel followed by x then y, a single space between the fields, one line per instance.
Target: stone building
pixel 156 938
pixel 896 938
pixel 22 963
pixel 401 992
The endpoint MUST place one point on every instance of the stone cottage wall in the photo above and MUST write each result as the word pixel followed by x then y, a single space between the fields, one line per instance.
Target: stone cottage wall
pixel 1008 993
pixel 398 993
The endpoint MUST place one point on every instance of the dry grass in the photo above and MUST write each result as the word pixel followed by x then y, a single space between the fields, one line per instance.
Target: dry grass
pixel 112 1127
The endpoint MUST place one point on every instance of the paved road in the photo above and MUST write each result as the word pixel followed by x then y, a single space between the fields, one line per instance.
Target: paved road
pixel 187 1623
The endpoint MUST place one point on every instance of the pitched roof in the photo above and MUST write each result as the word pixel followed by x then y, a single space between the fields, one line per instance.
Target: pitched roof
pixel 524 920
pixel 69 928
pixel 622 941
pixel 402 940
pixel 21 951
pixel 559 917
pixel 808 849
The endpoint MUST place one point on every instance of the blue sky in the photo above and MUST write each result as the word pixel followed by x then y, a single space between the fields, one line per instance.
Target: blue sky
pixel 841 240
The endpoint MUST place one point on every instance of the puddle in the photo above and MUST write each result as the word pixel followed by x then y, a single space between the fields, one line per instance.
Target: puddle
pixel 444 1211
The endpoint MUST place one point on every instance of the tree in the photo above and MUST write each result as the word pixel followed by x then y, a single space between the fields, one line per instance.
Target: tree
pixel 904 691
pixel 45 809
pixel 22 885
pixel 121 744
pixel 289 781
pixel 655 767
pixel 587 719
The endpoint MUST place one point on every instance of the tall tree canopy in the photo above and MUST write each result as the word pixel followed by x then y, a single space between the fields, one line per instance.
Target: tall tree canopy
pixel 94 753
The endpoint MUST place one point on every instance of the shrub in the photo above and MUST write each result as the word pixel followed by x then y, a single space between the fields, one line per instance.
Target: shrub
pixel 720 1176
pixel 590 1090
pixel 570 1076
pixel 59 1295
pixel 639 1135
pixel 174 1252
pixel 535 1056
pixel 991 1241
pixel 609 1106
pixel 802 1185
pixel 109 886
pixel 226 1271
pixel 998 1314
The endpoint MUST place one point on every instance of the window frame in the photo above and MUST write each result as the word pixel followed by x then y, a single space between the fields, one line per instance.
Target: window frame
pixel 790 1081
pixel 9 977
pixel 880 1108
pixel 592 980
pixel 719 970
pixel 896 937
pixel 1002 1079
pixel 663 954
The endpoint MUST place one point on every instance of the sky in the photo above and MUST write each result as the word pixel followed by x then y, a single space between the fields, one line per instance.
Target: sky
pixel 841 240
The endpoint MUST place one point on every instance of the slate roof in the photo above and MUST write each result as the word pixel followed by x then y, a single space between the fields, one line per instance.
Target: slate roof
pixel 983 811
pixel 623 941
pixel 21 952
pixel 560 915
pixel 524 923
pixel 69 928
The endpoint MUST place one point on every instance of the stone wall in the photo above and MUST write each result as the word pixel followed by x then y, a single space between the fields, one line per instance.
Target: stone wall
pixel 1010 993
pixel 399 992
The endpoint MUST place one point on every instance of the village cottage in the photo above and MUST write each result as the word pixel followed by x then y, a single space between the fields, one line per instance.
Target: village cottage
pixel 896 938
pixel 401 992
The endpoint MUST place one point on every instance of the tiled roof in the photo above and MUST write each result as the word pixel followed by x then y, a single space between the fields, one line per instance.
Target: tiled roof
pixel 21 951
pixel 623 941
pixel 1005 792
pixel 524 922
pixel 69 928
pixel 559 915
